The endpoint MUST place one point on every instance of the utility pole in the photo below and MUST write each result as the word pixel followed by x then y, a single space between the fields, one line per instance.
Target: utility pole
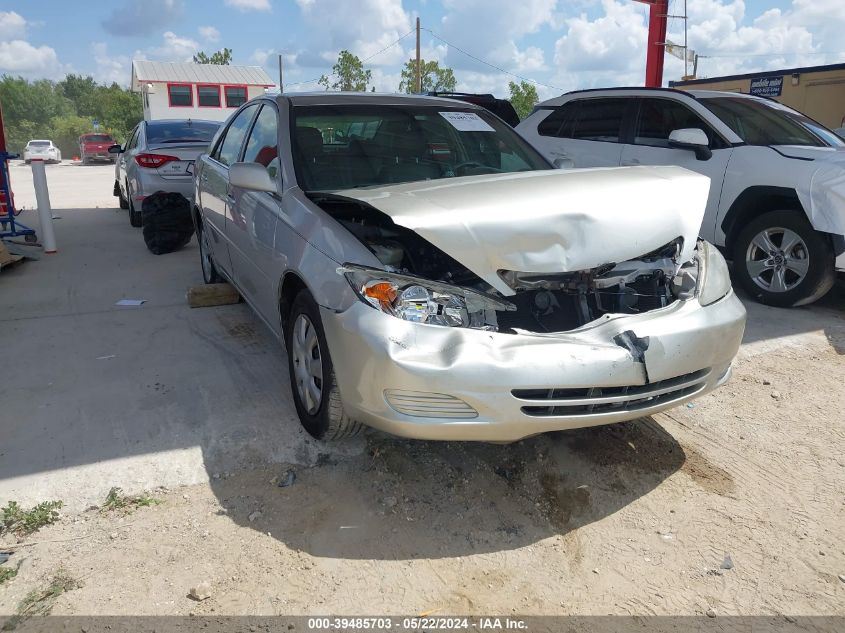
pixel 418 82
pixel 686 48
pixel 281 85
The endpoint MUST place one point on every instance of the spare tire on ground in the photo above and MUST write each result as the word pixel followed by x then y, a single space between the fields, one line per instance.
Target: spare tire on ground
pixel 166 218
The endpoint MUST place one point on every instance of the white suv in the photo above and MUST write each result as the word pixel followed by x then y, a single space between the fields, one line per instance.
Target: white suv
pixel 44 150
pixel 777 178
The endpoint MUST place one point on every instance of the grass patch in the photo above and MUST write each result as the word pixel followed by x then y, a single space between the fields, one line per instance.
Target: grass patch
pixel 116 501
pixel 39 602
pixel 22 522
pixel 7 573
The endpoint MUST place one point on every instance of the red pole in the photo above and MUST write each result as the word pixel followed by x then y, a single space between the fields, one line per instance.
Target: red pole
pixel 655 47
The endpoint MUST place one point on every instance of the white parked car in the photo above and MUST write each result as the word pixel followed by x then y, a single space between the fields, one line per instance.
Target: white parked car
pixel 777 190
pixel 42 150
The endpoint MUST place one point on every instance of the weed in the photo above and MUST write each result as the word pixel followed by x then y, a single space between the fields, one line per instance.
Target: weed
pixel 7 573
pixel 39 602
pixel 22 522
pixel 116 500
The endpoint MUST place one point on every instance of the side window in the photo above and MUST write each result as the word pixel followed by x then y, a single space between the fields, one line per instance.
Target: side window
pixel 133 140
pixel 229 147
pixel 600 120
pixel 659 117
pixel 263 146
pixel 559 122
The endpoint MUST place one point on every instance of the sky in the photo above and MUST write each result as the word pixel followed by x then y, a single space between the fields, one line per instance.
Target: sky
pixel 558 44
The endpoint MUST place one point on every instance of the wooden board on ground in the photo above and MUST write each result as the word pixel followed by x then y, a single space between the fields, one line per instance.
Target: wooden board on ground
pixel 212 295
pixel 6 258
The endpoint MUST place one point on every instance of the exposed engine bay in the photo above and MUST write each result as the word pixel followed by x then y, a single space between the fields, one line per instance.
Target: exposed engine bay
pixel 541 303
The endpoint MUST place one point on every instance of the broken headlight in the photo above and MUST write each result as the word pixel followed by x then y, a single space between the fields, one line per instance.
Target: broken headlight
pixel 413 298
pixel 714 279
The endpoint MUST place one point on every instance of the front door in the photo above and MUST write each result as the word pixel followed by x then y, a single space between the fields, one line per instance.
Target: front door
pixel 656 119
pixel 252 220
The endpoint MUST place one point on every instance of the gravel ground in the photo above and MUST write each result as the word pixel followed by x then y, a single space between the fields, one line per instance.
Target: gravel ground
pixel 733 505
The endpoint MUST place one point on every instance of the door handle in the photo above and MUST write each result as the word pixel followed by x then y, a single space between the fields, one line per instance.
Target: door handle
pixel 631 163
pixel 204 178
pixel 230 200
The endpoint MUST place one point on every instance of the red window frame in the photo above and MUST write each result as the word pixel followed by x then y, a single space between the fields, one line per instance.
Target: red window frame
pixel 219 100
pixel 226 98
pixel 190 88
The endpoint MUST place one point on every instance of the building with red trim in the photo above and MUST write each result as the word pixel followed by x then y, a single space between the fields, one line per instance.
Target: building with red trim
pixel 172 90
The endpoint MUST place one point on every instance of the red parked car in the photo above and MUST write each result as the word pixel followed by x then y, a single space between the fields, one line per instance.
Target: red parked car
pixel 95 146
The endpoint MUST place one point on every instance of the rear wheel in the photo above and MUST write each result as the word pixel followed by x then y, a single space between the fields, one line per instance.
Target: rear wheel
pixel 209 270
pixel 134 216
pixel 312 378
pixel 781 260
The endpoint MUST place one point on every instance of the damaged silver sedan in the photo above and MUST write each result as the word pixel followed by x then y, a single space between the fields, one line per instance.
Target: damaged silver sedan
pixel 432 275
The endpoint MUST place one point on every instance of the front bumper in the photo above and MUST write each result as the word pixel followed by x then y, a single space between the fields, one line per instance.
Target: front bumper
pixel 462 384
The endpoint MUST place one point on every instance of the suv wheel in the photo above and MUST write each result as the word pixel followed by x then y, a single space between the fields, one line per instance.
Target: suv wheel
pixel 782 261
pixel 312 379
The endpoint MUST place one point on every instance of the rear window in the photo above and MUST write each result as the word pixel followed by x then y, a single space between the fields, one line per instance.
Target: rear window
pixel 39 143
pixel 180 131
pixel 97 138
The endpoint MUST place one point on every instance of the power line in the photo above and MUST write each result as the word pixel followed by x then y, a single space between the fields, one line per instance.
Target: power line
pixel 478 59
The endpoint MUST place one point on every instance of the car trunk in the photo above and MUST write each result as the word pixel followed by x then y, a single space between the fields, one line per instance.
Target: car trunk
pixel 186 153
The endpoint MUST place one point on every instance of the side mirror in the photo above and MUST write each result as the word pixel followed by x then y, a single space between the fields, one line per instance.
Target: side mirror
pixel 692 139
pixel 115 149
pixel 563 163
pixel 252 176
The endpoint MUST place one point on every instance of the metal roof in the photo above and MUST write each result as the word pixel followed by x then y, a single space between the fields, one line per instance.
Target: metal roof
pixel 146 71
pixel 766 73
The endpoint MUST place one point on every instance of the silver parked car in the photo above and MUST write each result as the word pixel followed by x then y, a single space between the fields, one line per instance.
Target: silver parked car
pixel 44 150
pixel 159 156
pixel 433 276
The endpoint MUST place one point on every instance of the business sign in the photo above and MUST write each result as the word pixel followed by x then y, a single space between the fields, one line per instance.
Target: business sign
pixel 767 86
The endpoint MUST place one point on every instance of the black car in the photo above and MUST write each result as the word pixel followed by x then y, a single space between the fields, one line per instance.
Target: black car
pixel 502 108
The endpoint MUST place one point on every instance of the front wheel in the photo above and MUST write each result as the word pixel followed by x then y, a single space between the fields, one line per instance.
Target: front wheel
pixel 134 216
pixel 781 260
pixel 312 378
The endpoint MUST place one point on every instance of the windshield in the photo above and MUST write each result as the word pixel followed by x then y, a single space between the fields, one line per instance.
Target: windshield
pixel 357 145
pixel 760 122
pixel 180 131
pixel 97 138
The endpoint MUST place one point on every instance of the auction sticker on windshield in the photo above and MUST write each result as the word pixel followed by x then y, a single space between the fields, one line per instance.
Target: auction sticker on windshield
pixel 466 121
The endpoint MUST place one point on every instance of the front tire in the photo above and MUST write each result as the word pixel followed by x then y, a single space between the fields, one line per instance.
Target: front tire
pixel 312 378
pixel 781 260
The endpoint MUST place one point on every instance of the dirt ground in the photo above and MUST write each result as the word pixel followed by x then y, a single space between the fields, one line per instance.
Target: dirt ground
pixel 734 505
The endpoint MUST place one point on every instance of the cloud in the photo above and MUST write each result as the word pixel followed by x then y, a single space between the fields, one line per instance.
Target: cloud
pixel 340 24
pixel 12 26
pixel 146 17
pixel 173 49
pixel 607 51
pixel 110 68
pixel 209 33
pixel 493 29
pixel 19 57
pixel 249 5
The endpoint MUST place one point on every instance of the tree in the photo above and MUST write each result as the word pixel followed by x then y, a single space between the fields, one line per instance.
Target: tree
pixel 432 77
pixel 221 58
pixel 523 97
pixel 349 74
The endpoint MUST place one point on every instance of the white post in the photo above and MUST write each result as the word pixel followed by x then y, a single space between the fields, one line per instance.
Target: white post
pixel 45 214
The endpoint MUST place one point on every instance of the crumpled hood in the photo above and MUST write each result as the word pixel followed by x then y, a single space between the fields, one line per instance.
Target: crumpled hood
pixel 548 221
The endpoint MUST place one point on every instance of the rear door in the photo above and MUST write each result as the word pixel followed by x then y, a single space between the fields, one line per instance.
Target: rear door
pixel 251 225
pixel 589 131
pixel 214 184
pixel 656 118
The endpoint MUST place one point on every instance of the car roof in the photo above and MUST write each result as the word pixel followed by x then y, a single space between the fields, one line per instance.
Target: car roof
pixel 349 98
pixel 637 91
